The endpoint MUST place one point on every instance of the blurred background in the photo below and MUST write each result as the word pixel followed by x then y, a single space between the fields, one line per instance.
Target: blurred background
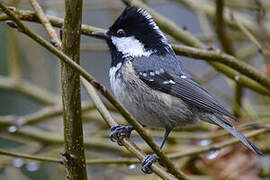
pixel 30 83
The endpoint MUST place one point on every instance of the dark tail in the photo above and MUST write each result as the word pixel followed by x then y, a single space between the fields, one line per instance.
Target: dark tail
pixel 221 121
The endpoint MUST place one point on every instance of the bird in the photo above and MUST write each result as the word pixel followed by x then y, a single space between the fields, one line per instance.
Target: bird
pixel 150 81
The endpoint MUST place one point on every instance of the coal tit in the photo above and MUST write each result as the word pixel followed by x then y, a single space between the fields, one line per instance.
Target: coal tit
pixel 151 83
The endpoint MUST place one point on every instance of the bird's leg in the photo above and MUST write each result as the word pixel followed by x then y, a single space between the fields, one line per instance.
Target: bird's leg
pixel 118 132
pixel 167 132
pixel 150 159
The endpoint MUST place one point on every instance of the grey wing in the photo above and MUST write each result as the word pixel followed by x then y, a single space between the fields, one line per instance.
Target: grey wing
pixel 184 88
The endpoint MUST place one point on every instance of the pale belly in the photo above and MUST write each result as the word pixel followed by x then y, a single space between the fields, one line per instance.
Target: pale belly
pixel 150 107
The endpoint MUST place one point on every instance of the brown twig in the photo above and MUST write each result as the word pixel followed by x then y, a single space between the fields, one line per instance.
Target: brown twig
pixel 71 95
pixel 30 90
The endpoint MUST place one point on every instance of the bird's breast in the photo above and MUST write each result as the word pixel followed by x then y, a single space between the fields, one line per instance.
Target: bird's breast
pixel 115 78
pixel 150 107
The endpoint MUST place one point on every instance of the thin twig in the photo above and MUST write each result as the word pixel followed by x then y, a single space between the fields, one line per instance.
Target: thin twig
pixel 37 117
pixel 46 23
pixel 216 146
pixel 30 90
pixel 14 65
pixel 52 138
pixel 221 31
pixel 27 156
pixel 251 37
pixel 113 161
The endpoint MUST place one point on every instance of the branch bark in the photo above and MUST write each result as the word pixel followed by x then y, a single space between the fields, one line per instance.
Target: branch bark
pixel 71 93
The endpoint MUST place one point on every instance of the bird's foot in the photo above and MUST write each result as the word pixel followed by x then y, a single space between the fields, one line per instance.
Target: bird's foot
pixel 118 132
pixel 147 162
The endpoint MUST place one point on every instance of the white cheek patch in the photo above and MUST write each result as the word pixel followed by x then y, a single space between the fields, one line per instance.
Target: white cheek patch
pixel 130 46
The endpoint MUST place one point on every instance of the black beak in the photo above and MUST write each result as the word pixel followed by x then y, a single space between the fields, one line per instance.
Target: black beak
pixel 100 34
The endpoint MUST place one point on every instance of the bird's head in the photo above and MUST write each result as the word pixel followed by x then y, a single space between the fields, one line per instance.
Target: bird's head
pixel 135 34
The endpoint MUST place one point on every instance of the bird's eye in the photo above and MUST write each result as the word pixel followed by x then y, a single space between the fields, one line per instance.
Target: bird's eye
pixel 121 33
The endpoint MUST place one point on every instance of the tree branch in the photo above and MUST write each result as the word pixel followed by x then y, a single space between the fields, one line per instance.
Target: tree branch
pixel 71 92
pixel 46 23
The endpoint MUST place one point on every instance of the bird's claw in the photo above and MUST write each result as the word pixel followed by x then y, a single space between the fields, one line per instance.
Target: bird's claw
pixel 147 162
pixel 118 132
